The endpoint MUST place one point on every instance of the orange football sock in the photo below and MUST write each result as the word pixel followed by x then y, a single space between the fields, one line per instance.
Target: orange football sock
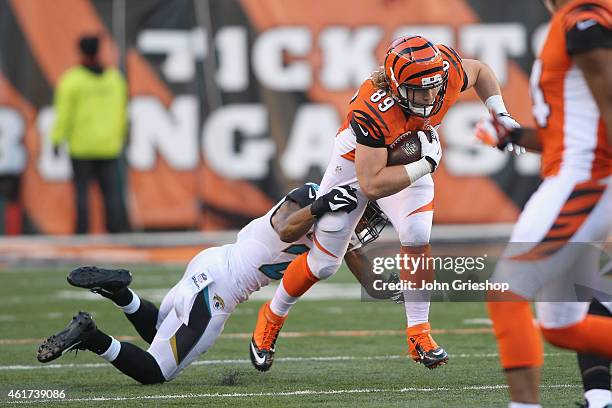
pixel 592 335
pixel 298 278
pixel 518 338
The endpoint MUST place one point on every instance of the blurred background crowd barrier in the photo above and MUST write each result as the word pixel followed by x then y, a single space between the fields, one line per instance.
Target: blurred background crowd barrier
pixel 232 103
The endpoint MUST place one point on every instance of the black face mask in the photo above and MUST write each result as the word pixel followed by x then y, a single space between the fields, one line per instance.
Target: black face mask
pixel 371 224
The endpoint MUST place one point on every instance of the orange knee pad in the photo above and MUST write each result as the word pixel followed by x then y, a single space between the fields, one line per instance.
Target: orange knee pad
pixel 518 338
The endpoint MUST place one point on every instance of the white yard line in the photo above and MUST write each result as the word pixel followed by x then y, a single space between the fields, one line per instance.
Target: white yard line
pixel 245 361
pixel 297 393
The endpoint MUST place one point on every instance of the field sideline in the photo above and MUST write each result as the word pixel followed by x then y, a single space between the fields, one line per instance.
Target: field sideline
pixel 333 350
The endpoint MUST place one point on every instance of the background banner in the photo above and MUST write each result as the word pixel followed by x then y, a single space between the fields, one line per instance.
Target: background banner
pixel 233 103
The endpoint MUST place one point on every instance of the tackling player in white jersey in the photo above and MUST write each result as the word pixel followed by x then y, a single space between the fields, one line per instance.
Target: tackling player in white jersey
pixel 193 313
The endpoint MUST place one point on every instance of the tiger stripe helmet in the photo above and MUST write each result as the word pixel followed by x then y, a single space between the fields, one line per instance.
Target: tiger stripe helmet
pixel 413 63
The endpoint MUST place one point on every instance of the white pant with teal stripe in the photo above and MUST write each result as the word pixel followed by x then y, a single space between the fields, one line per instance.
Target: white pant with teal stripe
pixel 193 313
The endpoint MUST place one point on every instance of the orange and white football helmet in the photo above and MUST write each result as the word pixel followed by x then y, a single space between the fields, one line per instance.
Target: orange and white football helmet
pixel 414 64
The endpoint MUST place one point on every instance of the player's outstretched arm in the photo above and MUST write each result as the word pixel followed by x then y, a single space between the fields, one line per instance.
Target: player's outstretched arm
pixel 482 78
pixel 492 132
pixel 596 66
pixel 527 138
pixel 292 222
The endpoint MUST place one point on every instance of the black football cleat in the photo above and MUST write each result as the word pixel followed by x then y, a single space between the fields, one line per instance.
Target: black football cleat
pixel 71 338
pixel 432 358
pixel 261 359
pixel 100 280
pixel 262 346
pixel 423 348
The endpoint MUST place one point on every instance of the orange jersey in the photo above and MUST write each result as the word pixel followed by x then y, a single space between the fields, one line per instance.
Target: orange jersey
pixel 376 120
pixel 570 128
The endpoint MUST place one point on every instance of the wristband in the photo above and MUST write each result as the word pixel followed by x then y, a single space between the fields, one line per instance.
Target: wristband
pixel 418 169
pixel 495 103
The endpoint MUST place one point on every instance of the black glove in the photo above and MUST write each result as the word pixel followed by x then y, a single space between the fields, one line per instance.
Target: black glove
pixel 342 198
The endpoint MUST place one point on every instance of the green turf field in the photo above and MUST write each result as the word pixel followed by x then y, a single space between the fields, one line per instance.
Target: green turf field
pixel 313 368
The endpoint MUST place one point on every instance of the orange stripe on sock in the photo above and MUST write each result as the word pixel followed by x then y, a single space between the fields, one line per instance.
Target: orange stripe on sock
pixel 318 244
pixel 427 207
pixel 518 338
pixel 298 278
pixel 591 335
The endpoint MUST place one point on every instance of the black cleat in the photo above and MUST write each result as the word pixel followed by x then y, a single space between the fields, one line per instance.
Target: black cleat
pixel 262 346
pixel 71 338
pixel 432 358
pixel 423 348
pixel 262 359
pixel 99 280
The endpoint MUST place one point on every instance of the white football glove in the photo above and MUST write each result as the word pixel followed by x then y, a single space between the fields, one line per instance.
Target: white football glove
pixel 496 131
pixel 507 120
pixel 431 151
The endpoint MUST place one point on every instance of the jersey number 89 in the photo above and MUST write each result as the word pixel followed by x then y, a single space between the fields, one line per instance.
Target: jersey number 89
pixel 386 103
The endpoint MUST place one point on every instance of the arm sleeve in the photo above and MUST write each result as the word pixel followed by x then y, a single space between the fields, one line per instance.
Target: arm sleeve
pixel 62 102
pixel 593 37
pixel 588 27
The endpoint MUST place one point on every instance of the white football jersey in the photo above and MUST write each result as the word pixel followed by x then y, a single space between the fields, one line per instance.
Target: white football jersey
pixel 258 255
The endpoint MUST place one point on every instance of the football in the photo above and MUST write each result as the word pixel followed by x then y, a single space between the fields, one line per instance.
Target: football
pixel 404 150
